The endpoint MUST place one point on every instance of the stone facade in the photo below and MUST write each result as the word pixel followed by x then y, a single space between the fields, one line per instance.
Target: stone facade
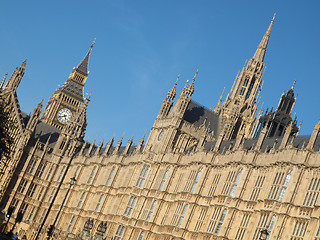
pixel 201 174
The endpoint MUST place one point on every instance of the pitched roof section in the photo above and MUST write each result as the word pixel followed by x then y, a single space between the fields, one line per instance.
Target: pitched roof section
pixel 197 115
pixel 73 89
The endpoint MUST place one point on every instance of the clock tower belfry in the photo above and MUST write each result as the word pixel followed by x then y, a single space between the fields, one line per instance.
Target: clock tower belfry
pixel 69 98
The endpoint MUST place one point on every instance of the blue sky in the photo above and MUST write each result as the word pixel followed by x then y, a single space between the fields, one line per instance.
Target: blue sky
pixel 142 46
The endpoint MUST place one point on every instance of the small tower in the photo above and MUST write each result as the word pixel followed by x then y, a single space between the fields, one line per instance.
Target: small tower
pixel 281 118
pixel 166 128
pixel 168 101
pixel 15 79
pixel 73 132
pixel 69 98
pixel 239 108
pixel 184 99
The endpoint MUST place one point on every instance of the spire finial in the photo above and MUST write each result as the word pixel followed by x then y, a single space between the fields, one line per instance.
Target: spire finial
pixel 177 80
pixel 274 16
pixel 195 76
pixel 24 63
pixel 93 42
pixel 294 83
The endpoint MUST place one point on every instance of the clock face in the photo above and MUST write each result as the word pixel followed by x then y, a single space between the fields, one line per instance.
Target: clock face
pixel 64 115
pixel 160 135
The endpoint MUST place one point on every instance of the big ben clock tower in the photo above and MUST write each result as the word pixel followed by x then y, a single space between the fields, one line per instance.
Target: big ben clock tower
pixel 69 98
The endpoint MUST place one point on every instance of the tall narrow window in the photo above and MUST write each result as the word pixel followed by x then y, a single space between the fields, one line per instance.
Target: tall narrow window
pixel 110 176
pixel 279 185
pixel 151 210
pixel 24 207
pixel 43 214
pixel 52 194
pixel 264 222
pixel 32 189
pixel 15 202
pixel 130 206
pixel 312 193
pixel 41 170
pixel 76 172
pixel 243 226
pixel 178 185
pixel 49 173
pixel 231 183
pixel 71 223
pixel 228 183
pixel 250 88
pixel 223 215
pixel 31 214
pixel 257 188
pixel 246 81
pixel 182 215
pixel 214 184
pixel 299 230
pixel 31 166
pixel 92 175
pixel 142 176
pixel 202 215
pixel 179 214
pixel 40 194
pixel 119 233
pixel 164 218
pixel 22 186
pixel 61 173
pixel 216 220
pixel 164 178
pixel 141 236
pixel 190 180
pixel 235 183
pixel 196 180
pixel 81 200
pixel 99 203
pixel 285 185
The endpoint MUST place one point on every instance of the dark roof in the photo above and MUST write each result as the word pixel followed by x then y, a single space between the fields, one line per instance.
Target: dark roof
pixel 83 65
pixel 43 131
pixel 268 143
pixel 73 88
pixel 197 114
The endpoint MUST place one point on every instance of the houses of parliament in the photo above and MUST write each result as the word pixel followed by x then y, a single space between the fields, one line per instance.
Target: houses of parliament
pixel 224 173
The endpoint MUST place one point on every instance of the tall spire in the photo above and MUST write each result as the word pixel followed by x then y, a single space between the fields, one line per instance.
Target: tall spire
pixel 83 65
pixel 261 50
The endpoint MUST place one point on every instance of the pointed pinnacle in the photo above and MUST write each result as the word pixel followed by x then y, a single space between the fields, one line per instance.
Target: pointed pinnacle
pixel 195 76
pixel 3 80
pixel 24 63
pixel 177 80
pixel 294 83
pixel 93 42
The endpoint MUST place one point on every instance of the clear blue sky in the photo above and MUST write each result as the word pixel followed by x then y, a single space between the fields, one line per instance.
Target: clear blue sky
pixel 142 46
